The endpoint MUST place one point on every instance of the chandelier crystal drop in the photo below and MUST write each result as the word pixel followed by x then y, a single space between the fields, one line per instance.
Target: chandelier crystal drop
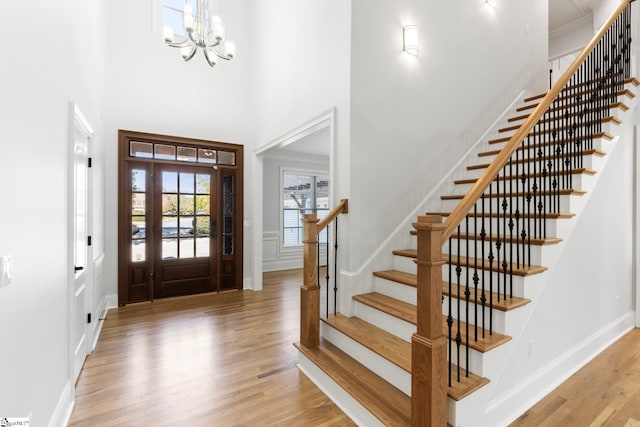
pixel 204 30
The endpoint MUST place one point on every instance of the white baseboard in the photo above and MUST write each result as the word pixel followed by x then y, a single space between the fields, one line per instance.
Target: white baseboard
pixel 111 301
pixel 542 382
pixel 64 408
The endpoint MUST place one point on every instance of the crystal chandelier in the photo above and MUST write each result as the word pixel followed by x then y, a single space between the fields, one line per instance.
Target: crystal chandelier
pixel 204 29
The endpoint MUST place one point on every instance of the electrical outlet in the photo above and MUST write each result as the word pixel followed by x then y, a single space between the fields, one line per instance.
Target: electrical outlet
pixel 5 271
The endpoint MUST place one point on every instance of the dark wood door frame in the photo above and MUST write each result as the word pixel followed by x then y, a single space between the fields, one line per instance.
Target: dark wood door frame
pixel 229 167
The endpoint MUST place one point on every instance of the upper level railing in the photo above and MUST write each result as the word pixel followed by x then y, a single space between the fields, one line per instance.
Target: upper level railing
pixel 488 237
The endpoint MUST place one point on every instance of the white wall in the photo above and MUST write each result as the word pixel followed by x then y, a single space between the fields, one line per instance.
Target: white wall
pixel 55 56
pixel 302 64
pixel 570 38
pixel 413 117
pixel 275 257
pixel 150 89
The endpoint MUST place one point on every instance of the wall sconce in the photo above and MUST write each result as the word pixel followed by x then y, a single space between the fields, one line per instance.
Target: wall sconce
pixel 410 39
pixel 491 3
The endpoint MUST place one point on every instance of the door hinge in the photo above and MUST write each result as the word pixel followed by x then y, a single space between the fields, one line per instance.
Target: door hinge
pixel 88 317
pixel 89 162
pixel 88 240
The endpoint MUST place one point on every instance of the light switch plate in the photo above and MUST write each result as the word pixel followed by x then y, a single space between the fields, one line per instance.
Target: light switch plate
pixel 5 271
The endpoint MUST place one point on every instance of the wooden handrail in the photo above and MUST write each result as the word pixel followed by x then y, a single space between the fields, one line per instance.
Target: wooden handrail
pixel 343 207
pixel 470 199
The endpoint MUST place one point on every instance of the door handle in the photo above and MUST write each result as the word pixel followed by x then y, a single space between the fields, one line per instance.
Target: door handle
pixel 76 268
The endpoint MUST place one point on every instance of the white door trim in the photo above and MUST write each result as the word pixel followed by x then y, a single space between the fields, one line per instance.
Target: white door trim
pixel 325 119
pixel 77 121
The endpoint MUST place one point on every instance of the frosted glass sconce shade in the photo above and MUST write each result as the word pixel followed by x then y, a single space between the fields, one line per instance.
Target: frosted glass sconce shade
pixel 410 39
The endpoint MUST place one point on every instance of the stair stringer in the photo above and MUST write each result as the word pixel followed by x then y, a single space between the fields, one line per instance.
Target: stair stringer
pixel 511 392
pixel 360 281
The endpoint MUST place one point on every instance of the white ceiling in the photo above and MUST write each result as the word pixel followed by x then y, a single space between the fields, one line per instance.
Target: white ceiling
pixel 565 12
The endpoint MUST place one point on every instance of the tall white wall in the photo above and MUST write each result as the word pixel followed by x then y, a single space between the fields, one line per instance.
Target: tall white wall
pixel 413 117
pixel 150 89
pixel 55 56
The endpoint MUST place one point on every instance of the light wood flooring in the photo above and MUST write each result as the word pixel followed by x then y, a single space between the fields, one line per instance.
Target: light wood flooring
pixel 208 360
pixel 228 360
pixel 606 392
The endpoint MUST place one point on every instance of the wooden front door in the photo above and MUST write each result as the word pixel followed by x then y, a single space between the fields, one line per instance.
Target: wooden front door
pixel 180 228
pixel 185 227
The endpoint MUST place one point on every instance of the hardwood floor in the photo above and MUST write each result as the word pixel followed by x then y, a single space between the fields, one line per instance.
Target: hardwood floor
pixel 228 359
pixel 206 360
pixel 606 392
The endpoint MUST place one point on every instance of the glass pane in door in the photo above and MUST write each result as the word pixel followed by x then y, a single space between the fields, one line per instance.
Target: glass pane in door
pixel 185 215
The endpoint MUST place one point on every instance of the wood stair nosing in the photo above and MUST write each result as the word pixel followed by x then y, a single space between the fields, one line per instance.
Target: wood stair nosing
pixel 397 351
pixel 588 152
pixel 391 406
pixel 596 135
pixel 613 105
pixel 499 302
pixel 527 147
pixel 629 80
pixel 385 344
pixel 530 106
pixel 564 192
pixel 493 238
pixel 548 215
pixel 407 312
pixel 608 119
pixel 574 171
pixel 523 270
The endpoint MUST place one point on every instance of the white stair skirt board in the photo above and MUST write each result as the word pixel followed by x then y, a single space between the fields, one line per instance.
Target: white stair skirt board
pixel 343 400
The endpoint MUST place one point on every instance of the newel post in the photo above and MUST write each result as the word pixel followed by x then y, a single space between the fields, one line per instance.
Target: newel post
pixel 428 344
pixel 310 291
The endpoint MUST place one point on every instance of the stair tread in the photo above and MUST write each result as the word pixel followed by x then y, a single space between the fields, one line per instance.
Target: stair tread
pixel 391 406
pixel 396 350
pixel 534 241
pixel 613 105
pixel 523 270
pixel 589 152
pixel 499 302
pixel 574 171
pixel 548 215
pixel 629 80
pixel 407 312
pixel 596 135
pixel 608 119
pixel 565 192
pixel 391 347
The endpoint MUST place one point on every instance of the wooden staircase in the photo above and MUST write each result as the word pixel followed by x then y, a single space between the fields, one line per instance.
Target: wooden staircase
pixel 534 176
pixel 386 317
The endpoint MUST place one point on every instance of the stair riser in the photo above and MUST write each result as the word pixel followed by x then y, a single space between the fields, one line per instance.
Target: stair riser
pixel 516 252
pixel 600 144
pixel 391 373
pixel 589 162
pixel 497 319
pixel 515 203
pixel 405 330
pixel 578 182
pixel 608 127
pixel 389 323
pixel 337 394
pixel 395 290
pixel 409 266
pixel 537 229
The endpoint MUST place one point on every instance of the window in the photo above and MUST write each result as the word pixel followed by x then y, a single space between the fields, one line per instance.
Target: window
pixel 303 193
